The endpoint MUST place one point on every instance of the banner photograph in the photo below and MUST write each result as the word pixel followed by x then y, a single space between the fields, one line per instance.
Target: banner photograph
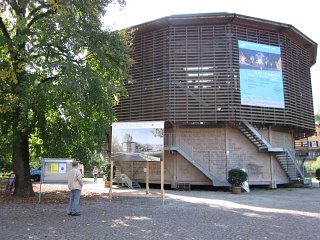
pixel 137 141
pixel 261 82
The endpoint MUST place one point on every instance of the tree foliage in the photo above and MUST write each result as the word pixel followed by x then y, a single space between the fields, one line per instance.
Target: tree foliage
pixel 317 117
pixel 313 166
pixel 127 137
pixel 61 74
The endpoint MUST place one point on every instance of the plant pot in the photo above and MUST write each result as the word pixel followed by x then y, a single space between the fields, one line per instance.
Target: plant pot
pixel 236 190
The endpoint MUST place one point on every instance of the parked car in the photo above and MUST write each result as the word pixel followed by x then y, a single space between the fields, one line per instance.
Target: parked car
pixel 35 174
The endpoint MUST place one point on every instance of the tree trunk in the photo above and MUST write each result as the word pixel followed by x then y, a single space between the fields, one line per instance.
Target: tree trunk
pixel 23 185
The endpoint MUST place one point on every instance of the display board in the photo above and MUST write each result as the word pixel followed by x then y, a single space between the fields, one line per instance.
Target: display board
pixel 137 141
pixel 11 183
pixel 54 170
pixel 261 82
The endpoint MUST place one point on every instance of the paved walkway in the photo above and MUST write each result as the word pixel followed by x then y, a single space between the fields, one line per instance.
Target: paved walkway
pixel 287 213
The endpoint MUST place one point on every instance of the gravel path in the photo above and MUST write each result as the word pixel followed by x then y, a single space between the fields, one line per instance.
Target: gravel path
pixel 287 213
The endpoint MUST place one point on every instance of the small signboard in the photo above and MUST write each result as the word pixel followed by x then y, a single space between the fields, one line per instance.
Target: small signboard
pixel 245 186
pixel 55 170
pixel 10 184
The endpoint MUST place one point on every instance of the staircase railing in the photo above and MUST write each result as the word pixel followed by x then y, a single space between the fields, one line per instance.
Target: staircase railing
pixel 258 134
pixel 277 150
pixel 293 159
pixel 187 156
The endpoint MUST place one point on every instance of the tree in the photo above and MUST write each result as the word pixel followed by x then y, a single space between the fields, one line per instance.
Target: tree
pixel 127 138
pixel 158 132
pixel 317 116
pixel 61 75
pixel 314 166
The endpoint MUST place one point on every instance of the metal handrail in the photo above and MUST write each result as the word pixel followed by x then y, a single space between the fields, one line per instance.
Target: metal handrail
pixel 270 147
pixel 170 144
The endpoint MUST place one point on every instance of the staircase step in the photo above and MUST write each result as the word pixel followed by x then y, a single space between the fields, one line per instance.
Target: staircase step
pixel 286 162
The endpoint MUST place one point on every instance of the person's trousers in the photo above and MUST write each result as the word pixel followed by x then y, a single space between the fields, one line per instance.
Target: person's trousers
pixel 95 176
pixel 74 201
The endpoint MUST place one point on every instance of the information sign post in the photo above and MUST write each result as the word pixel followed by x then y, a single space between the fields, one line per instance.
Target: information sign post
pixel 54 170
pixel 10 184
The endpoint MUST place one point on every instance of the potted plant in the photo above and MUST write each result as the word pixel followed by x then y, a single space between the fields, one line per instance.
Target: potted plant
pixel 236 177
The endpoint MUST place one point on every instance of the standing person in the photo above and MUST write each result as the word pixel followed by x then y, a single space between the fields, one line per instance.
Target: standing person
pixel 95 173
pixel 75 184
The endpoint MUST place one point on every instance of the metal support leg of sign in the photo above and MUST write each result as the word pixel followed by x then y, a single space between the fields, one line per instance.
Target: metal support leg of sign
pixel 111 181
pixel 147 179
pixel 40 192
pixel 162 180
pixel 41 178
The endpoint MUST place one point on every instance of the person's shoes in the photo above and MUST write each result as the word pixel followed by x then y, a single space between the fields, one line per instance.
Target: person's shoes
pixel 76 214
pixel 69 213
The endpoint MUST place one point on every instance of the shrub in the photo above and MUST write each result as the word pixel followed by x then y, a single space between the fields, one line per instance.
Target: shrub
pixel 237 176
pixel 314 166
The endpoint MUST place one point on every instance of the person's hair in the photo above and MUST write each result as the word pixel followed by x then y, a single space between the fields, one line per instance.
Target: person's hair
pixel 75 164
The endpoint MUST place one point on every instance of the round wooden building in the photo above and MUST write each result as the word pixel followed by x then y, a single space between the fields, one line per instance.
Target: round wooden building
pixel 234 92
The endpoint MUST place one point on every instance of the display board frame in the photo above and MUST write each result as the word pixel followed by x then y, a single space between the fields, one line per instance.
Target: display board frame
pixel 137 141
pixel 141 141
pixel 55 170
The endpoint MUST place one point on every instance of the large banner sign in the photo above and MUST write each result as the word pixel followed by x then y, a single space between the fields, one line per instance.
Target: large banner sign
pixel 261 82
pixel 137 141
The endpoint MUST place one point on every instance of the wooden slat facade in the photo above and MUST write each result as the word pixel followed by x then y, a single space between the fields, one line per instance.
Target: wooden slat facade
pixel 187 70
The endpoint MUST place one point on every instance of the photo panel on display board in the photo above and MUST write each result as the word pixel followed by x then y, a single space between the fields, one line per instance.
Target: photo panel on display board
pixel 137 141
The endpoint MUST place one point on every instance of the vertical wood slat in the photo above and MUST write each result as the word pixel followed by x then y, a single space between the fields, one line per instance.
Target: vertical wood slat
pixel 190 73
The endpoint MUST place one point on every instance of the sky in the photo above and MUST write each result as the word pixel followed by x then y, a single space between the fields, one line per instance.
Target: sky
pixel 303 15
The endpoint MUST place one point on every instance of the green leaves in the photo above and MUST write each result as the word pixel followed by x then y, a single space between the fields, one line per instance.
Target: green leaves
pixel 236 177
pixel 61 74
pixel 317 116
